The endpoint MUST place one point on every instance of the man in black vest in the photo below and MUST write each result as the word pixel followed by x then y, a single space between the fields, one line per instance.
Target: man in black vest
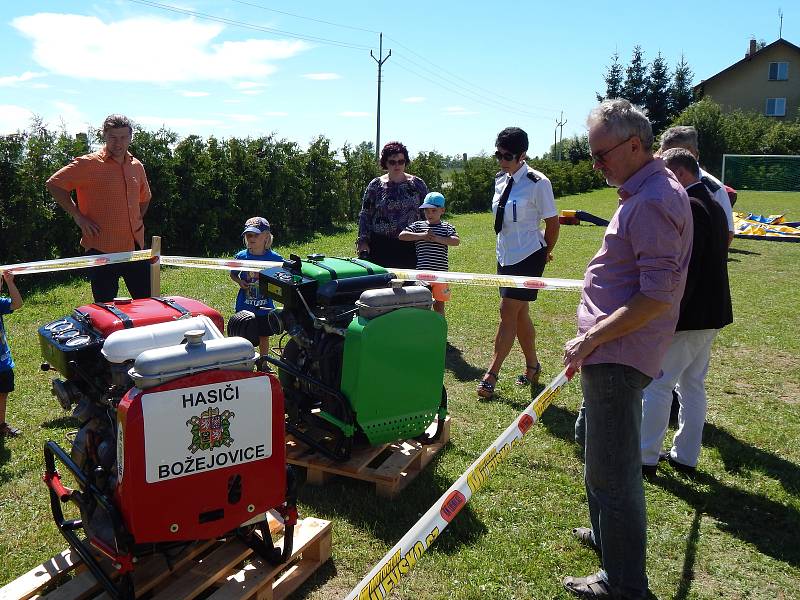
pixel 705 309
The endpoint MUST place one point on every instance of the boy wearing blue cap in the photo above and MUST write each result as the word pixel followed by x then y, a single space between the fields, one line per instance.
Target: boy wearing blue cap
pixel 258 239
pixel 432 237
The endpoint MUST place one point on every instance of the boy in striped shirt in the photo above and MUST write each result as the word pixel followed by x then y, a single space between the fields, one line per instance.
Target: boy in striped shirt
pixel 432 237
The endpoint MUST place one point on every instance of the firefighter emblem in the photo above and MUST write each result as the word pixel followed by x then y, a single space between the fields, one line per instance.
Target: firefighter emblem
pixel 211 429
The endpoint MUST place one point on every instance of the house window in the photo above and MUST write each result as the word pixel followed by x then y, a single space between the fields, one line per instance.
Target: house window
pixel 778 71
pixel 776 107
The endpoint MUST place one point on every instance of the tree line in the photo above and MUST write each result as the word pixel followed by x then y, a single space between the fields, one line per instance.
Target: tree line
pixel 205 188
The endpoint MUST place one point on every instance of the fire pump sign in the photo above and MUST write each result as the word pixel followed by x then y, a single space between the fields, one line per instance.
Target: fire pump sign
pixel 207 427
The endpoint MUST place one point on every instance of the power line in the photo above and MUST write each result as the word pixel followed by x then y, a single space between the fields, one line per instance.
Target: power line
pixel 227 21
pixel 296 16
pixel 474 95
pixel 491 91
pixel 485 102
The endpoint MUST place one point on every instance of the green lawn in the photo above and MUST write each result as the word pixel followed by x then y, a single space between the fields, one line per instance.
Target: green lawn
pixel 731 533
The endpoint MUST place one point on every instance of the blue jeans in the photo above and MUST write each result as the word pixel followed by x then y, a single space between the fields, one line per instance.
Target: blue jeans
pixel 609 425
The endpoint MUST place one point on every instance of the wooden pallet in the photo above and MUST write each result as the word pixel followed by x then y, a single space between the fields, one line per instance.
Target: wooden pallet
pixel 390 466
pixel 222 570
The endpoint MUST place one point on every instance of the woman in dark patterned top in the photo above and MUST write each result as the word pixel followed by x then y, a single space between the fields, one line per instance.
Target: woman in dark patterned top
pixel 391 202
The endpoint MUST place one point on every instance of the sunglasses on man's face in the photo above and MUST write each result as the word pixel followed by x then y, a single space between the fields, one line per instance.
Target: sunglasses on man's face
pixel 507 156
pixel 399 162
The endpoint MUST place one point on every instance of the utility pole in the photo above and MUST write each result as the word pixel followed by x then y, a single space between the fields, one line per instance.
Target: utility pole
pixel 380 60
pixel 559 125
pixel 780 29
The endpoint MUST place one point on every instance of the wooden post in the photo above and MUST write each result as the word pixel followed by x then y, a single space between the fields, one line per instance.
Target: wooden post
pixel 155 267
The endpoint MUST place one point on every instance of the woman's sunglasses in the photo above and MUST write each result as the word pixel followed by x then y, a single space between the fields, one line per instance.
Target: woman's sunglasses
pixel 399 162
pixel 508 156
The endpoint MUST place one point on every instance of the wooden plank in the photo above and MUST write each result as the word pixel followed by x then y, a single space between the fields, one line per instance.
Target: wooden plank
pixel 404 462
pixel 312 540
pixel 194 570
pixel 51 570
pixel 203 574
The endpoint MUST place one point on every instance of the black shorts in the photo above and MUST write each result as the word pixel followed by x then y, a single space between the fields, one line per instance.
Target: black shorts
pixel 532 266
pixel 6 381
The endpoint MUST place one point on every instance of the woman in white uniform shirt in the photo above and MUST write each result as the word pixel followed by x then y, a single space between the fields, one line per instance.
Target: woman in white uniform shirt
pixel 522 249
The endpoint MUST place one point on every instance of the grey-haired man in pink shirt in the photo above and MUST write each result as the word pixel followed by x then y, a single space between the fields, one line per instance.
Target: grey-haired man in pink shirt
pixel 626 318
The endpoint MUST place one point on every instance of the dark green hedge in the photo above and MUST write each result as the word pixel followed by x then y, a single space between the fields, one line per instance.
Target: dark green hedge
pixel 205 188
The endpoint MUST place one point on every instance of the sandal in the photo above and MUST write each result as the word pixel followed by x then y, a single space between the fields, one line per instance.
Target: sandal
pixel 585 537
pixel 485 387
pixel 534 378
pixel 592 586
pixel 9 430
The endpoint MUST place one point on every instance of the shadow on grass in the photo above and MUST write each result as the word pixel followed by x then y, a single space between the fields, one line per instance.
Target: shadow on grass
pixel 738 456
pixel 61 422
pixel 738 251
pixel 461 369
pixel 769 526
pixel 687 574
pixel 5 454
pixel 356 502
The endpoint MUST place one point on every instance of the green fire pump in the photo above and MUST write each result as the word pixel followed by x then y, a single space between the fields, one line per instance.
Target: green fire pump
pixel 364 360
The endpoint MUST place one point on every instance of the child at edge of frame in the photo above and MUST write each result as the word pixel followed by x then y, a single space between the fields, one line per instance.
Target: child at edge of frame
pixel 257 236
pixel 432 238
pixel 8 304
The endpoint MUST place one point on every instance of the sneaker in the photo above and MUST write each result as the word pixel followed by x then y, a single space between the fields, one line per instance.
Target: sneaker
pixel 9 430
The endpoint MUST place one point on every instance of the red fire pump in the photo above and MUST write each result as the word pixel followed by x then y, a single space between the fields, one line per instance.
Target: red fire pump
pixel 179 439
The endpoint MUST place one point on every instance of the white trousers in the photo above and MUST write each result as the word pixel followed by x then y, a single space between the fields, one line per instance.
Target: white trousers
pixel 686 364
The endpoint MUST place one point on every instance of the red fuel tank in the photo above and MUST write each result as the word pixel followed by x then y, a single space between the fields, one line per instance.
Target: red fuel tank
pixel 108 317
pixel 200 455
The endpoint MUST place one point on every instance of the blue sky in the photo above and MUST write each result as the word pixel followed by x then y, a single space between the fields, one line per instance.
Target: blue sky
pixel 459 72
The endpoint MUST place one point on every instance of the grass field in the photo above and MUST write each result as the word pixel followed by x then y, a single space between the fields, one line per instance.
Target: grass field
pixel 733 532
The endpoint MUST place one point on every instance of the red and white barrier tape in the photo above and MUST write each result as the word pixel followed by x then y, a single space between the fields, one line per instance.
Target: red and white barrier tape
pixel 83 262
pixel 77 262
pixel 399 561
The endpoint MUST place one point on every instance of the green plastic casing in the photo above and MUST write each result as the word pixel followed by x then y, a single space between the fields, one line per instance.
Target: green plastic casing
pixel 393 372
pixel 344 269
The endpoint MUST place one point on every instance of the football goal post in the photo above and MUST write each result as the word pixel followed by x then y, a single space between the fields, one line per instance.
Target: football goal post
pixel 767 172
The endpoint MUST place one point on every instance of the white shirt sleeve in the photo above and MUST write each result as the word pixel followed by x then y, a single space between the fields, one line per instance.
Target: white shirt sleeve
pixel 721 196
pixel 545 198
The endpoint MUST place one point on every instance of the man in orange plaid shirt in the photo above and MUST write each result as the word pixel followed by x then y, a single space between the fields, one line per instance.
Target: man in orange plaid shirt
pixel 112 197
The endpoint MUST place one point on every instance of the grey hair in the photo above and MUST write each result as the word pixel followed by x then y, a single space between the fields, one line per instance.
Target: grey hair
pixel 681 157
pixel 680 136
pixel 117 121
pixel 623 120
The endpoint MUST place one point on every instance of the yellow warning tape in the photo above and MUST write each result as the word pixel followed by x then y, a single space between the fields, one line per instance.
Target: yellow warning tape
pixel 398 562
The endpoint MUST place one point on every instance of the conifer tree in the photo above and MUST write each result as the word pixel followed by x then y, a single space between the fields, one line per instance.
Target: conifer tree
pixel 613 79
pixel 658 94
pixel 681 92
pixel 634 89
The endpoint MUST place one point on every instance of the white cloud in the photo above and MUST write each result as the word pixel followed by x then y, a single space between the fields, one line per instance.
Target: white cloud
pixel 459 111
pixel 178 50
pixel 414 99
pixel 322 76
pixel 276 113
pixel 193 94
pixel 14 118
pixel 252 92
pixel 351 113
pixel 248 85
pixel 70 115
pixel 12 80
